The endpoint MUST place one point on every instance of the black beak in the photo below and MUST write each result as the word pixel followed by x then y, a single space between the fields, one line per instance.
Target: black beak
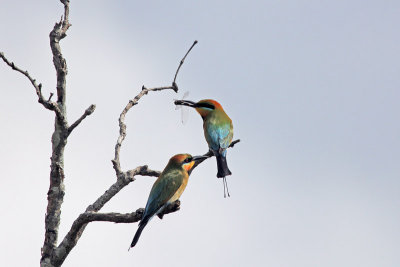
pixel 185 103
pixel 199 158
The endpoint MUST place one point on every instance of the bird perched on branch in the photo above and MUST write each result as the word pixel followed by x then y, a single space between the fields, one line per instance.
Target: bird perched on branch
pixel 167 188
pixel 218 131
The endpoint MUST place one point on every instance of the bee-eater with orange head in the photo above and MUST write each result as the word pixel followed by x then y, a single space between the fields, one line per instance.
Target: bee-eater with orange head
pixel 167 188
pixel 218 130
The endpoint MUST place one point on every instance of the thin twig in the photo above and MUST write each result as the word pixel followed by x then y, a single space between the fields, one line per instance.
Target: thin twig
pixel 209 154
pixel 87 112
pixel 38 87
pixel 180 65
pixel 233 143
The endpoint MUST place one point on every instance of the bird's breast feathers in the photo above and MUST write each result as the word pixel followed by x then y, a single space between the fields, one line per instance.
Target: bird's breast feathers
pixel 218 134
pixel 179 192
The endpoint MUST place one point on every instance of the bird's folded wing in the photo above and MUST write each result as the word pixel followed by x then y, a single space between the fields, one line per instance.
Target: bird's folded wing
pixel 163 189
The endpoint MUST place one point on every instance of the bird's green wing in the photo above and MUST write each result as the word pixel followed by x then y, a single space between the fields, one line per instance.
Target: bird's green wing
pixel 225 135
pixel 162 191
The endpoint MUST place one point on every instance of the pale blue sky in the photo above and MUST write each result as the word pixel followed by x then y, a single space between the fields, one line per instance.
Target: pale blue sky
pixel 312 88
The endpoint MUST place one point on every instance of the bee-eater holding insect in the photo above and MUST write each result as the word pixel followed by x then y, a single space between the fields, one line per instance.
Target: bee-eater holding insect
pixel 218 131
pixel 167 188
pixel 184 111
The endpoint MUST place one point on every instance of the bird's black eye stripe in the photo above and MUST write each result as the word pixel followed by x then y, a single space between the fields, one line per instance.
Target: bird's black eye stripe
pixel 206 105
pixel 189 159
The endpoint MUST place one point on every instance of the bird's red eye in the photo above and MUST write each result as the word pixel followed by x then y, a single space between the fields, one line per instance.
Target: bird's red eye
pixel 189 159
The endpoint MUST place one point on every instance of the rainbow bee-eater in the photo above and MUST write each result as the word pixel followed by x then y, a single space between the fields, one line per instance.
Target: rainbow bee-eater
pixel 218 131
pixel 167 188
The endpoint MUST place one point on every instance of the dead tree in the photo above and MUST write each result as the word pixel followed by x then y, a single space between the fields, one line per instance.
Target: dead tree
pixel 54 253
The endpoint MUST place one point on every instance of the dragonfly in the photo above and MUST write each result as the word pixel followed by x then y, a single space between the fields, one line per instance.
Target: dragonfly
pixel 184 109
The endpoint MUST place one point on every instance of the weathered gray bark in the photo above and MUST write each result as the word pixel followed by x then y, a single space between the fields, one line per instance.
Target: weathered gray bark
pixel 53 255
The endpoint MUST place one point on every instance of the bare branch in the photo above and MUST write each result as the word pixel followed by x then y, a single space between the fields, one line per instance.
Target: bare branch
pixel 88 112
pixel 233 143
pixel 60 64
pixel 180 65
pixel 209 154
pixel 59 140
pixel 114 189
pixel 83 219
pixel 79 225
pixel 33 81
pixel 122 125
pixel 52 255
pixel 143 171
pixel 133 217
pixel 38 87
pixel 113 217
pixel 123 179
pixel 91 214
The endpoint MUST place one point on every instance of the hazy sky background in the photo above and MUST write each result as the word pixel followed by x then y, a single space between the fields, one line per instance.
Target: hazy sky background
pixel 313 90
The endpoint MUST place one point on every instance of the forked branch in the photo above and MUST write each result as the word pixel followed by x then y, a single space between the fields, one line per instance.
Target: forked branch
pixel 123 179
pixel 131 103
pixel 38 87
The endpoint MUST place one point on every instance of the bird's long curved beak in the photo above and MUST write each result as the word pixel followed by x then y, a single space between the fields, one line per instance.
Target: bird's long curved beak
pixel 185 103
